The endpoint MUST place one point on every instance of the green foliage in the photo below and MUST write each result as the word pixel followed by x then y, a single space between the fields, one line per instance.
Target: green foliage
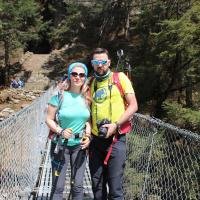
pixel 180 35
pixel 66 30
pixel 169 49
pixel 162 44
pixel 74 23
pixel 182 117
pixel 20 23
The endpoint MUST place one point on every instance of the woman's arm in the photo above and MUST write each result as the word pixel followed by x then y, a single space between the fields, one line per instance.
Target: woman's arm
pixel 50 119
pixel 54 126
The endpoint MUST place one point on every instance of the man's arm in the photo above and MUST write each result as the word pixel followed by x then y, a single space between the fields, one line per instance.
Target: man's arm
pixel 132 107
pixel 130 110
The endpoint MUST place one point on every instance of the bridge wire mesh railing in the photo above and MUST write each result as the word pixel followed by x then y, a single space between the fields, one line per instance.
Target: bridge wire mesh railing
pixel 22 141
pixel 163 162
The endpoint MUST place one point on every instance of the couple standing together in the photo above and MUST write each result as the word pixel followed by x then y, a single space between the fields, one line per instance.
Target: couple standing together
pixel 91 120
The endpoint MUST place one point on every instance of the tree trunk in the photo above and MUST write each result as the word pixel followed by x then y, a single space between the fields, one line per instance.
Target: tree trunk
pixel 2 76
pixel 6 61
pixel 158 107
pixel 127 26
pixel 188 93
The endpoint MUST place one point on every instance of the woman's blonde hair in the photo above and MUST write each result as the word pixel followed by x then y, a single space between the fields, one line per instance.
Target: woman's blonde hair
pixel 84 91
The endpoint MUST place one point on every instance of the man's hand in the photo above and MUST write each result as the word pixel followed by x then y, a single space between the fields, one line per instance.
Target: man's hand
pixel 112 128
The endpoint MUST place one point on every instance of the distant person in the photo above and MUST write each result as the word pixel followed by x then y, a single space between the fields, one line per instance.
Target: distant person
pixel 20 83
pixel 14 83
pixel 72 132
pixel 62 83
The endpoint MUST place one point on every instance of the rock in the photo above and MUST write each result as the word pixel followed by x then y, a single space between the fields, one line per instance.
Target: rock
pixel 33 97
pixel 4 97
pixel 16 101
pixel 6 112
pixel 24 105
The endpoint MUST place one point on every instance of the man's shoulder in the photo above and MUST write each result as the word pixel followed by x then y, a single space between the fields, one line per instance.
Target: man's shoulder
pixel 120 76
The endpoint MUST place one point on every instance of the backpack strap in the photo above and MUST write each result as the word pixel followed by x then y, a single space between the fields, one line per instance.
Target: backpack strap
pixel 105 162
pixel 60 100
pixel 116 81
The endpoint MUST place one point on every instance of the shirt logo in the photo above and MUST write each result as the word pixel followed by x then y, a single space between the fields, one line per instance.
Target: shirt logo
pixel 100 95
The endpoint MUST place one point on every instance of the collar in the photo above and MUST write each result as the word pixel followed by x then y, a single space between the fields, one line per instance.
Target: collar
pixel 102 78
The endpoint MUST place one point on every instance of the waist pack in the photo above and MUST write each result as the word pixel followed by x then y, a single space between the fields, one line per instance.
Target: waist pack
pixel 126 127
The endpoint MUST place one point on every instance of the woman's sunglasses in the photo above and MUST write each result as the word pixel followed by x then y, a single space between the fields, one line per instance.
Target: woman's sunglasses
pixel 75 74
pixel 98 62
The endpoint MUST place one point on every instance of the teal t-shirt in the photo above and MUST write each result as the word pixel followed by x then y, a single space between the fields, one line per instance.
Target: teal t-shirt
pixel 73 113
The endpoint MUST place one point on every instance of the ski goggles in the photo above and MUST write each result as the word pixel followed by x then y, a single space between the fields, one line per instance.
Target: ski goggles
pixel 99 62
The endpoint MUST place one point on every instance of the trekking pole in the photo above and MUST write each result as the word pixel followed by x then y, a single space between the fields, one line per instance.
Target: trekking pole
pixel 120 53
pixel 127 69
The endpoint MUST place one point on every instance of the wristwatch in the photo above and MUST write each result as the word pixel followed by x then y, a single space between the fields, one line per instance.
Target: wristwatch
pixel 118 126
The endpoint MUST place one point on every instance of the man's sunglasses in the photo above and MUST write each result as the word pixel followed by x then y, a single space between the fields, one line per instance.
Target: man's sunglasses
pixel 75 74
pixel 99 62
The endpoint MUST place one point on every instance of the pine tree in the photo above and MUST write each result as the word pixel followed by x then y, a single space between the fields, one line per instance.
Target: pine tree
pixel 177 49
pixel 20 23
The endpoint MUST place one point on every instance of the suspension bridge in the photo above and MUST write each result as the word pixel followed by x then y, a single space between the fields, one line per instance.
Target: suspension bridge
pixel 163 161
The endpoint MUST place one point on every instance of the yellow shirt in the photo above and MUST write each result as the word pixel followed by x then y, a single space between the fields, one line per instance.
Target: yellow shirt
pixel 107 101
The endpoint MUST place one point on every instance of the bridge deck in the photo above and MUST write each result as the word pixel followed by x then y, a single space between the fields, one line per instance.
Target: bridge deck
pixel 45 181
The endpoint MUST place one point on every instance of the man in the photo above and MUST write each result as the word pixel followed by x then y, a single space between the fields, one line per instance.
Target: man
pixel 108 106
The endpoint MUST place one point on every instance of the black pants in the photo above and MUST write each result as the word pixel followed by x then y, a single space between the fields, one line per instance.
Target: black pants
pixel 110 175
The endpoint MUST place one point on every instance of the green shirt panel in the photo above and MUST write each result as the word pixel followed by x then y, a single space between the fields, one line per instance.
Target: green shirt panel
pixel 73 113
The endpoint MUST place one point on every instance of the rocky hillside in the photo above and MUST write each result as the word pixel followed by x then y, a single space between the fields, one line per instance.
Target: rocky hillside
pixel 12 100
pixel 34 66
pixel 33 73
pixel 38 71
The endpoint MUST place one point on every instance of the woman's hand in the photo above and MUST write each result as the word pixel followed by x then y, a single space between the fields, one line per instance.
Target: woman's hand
pixel 85 141
pixel 67 133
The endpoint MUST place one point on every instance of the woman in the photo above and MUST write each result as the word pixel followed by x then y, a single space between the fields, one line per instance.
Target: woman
pixel 73 132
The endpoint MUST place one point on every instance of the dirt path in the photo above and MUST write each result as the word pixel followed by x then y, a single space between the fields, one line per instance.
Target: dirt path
pixel 35 62
pixel 33 65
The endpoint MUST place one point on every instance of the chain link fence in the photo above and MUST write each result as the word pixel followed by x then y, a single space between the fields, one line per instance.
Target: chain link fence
pixel 163 162
pixel 22 138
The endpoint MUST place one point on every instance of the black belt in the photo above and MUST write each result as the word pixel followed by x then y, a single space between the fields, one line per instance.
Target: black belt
pixel 110 138
pixel 77 135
